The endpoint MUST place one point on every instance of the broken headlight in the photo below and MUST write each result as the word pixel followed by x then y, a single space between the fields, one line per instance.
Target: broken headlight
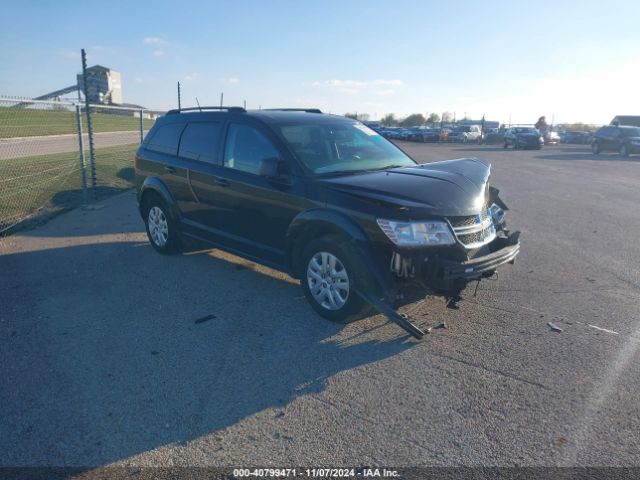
pixel 415 234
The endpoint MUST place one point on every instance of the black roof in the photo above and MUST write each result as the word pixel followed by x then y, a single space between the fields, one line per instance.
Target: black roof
pixel 632 120
pixel 271 116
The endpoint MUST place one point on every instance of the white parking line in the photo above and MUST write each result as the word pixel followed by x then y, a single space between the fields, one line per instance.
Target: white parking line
pixel 602 329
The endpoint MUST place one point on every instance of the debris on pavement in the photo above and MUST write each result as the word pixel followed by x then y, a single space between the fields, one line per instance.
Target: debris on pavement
pixel 554 327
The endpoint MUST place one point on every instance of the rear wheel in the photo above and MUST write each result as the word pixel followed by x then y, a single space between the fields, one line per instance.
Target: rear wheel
pixel 624 150
pixel 595 148
pixel 161 228
pixel 329 272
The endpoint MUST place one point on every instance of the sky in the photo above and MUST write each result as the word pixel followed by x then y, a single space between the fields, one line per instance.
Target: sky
pixel 572 61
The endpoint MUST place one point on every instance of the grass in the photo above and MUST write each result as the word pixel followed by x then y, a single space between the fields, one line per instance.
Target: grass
pixel 42 185
pixel 28 122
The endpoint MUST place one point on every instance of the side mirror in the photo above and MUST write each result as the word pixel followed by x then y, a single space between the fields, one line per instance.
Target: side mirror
pixel 273 168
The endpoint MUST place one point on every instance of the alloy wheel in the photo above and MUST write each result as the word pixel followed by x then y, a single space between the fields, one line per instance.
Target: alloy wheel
pixel 328 280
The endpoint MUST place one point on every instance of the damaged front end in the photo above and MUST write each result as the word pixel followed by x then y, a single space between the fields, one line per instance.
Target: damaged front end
pixel 481 244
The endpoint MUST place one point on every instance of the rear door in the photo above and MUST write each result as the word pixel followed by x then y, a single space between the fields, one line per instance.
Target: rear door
pixel 199 151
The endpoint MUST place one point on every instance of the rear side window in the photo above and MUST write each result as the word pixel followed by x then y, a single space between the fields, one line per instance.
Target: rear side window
pixel 165 138
pixel 200 141
pixel 246 147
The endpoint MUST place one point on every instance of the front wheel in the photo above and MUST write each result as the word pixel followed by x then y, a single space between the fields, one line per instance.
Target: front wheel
pixel 329 272
pixel 595 148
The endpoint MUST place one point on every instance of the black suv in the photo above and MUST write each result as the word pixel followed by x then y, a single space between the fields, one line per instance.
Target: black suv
pixel 523 137
pixel 615 138
pixel 324 198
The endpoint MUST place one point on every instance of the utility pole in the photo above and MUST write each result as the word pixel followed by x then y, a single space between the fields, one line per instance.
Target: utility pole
pixel 221 98
pixel 179 104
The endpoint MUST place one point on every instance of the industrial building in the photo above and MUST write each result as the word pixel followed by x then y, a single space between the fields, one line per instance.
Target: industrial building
pixel 104 85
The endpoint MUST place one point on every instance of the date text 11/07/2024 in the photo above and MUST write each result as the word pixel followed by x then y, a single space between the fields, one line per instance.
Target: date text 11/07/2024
pixel 315 473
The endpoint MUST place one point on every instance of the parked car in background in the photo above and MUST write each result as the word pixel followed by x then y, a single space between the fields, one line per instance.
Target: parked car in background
pixel 613 138
pixel 580 138
pixel 465 134
pixel 431 135
pixel 414 134
pixel 551 138
pixel 493 136
pixel 523 137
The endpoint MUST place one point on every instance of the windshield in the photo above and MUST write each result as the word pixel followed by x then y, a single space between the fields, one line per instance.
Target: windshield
pixel 342 147
pixel 526 130
pixel 630 132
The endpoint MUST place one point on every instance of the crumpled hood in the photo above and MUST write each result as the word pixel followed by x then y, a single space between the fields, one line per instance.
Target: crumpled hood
pixel 447 188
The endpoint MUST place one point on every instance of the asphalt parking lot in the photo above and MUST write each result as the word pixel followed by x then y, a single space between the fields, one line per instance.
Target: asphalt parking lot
pixel 111 353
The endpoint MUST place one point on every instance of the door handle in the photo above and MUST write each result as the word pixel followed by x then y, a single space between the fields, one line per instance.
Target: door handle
pixel 170 169
pixel 221 181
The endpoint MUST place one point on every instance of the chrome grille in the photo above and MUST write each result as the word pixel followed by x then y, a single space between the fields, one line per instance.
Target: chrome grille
pixel 474 231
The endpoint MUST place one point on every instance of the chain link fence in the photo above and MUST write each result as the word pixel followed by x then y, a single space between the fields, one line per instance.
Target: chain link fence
pixel 45 162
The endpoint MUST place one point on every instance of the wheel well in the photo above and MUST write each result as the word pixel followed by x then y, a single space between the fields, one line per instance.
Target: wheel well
pixel 304 235
pixel 147 195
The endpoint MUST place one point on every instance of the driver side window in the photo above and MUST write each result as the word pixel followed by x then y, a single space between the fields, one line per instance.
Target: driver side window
pixel 246 147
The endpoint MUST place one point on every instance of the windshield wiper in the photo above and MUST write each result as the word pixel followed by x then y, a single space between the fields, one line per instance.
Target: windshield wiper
pixel 385 168
pixel 353 172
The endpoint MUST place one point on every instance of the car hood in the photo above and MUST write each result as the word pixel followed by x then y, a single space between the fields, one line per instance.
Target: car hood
pixel 447 188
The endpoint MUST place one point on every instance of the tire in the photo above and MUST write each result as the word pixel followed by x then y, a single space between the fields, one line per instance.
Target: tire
pixel 595 148
pixel 161 228
pixel 623 150
pixel 506 145
pixel 337 304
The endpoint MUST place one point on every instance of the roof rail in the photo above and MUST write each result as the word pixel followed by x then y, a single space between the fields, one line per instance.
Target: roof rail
pixel 308 110
pixel 200 109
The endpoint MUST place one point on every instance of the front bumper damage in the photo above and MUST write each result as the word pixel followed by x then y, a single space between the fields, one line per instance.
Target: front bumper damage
pixel 505 251
pixel 445 274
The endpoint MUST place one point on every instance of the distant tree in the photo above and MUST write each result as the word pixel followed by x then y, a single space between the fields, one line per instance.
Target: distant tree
pixel 362 117
pixel 413 120
pixel 433 118
pixel 389 120
pixel 447 117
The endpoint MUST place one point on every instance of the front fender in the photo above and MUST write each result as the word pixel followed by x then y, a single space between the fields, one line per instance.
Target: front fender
pixel 319 221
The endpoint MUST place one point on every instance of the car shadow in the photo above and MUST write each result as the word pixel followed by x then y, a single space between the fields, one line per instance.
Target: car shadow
pixel 111 350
